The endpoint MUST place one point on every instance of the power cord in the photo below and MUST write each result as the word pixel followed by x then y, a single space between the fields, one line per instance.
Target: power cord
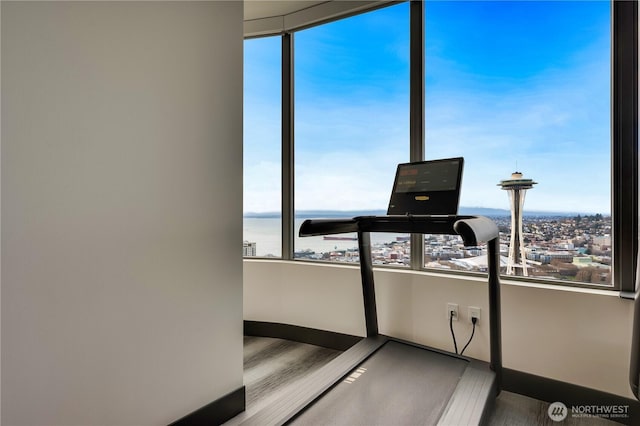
pixel 453 335
pixel 474 320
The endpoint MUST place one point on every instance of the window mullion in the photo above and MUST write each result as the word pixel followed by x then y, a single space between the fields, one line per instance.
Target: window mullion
pixel 416 108
pixel 625 144
pixel 288 209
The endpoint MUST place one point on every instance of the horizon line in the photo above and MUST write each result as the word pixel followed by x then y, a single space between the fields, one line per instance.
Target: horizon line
pixel 502 211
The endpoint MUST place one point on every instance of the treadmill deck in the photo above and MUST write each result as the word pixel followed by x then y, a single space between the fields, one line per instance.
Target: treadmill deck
pixel 382 381
pixel 399 384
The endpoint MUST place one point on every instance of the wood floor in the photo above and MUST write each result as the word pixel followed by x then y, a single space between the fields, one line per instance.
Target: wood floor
pixel 270 365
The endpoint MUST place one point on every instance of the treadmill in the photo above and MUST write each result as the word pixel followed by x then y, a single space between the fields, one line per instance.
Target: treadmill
pixel 383 380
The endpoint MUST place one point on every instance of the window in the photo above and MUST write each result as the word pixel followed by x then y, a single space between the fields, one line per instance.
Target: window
pixel 525 86
pixel 351 126
pixel 262 222
pixel 548 89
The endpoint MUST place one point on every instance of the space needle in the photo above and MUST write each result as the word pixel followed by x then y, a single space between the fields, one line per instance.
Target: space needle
pixel 517 187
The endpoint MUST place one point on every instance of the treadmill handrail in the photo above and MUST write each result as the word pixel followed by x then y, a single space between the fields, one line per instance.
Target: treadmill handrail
pixel 315 227
pixel 473 229
pixel 476 230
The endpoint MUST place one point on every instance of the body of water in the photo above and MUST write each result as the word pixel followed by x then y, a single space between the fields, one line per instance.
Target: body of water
pixel 265 232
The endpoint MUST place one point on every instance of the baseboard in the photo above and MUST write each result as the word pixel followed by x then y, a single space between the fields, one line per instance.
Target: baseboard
pixel 582 398
pixel 326 339
pixel 217 412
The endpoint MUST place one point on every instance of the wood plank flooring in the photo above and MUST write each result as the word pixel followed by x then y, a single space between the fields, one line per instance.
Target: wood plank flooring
pixel 270 365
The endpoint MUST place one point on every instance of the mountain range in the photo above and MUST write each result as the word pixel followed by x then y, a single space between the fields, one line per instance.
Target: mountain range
pixel 471 211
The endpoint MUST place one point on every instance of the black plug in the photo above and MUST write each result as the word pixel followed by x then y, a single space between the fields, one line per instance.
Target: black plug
pixel 474 320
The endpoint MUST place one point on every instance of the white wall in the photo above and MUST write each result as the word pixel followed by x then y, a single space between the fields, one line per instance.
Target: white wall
pixel 121 210
pixel 573 335
pixel 305 294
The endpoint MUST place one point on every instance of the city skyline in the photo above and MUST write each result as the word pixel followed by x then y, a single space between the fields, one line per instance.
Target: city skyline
pixel 569 248
pixel 463 210
pixel 507 83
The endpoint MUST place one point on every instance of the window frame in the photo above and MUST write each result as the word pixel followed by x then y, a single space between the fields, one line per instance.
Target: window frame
pixel 624 150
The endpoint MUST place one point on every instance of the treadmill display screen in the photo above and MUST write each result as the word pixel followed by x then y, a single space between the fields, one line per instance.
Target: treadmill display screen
pixel 428 176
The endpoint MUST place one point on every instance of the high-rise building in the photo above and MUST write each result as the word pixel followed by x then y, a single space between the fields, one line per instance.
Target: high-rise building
pixel 248 248
pixel 517 187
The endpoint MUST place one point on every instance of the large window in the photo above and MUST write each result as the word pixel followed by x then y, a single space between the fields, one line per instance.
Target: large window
pixel 351 126
pixel 546 89
pixel 525 86
pixel 262 222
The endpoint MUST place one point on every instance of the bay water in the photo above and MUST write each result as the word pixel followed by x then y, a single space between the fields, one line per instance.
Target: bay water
pixel 265 232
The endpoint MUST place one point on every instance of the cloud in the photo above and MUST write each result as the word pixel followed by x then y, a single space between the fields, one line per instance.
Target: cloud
pixel 262 187
pixel 352 128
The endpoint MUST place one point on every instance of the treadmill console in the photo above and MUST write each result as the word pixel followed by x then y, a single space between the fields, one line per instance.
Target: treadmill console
pixel 427 188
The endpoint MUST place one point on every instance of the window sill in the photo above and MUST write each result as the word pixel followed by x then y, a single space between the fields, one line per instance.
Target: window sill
pixel 504 281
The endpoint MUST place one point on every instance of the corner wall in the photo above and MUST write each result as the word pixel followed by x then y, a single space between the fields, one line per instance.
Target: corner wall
pixel 572 335
pixel 121 210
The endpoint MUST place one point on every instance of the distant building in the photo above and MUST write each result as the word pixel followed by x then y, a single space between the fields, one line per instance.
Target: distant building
pixel 478 263
pixel 517 187
pixel 248 249
pixel 589 262
pixel 566 246
pixel 560 256
pixel 582 261
pixel 602 240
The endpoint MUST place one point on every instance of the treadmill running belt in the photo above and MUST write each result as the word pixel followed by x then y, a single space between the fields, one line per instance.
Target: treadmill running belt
pixel 399 384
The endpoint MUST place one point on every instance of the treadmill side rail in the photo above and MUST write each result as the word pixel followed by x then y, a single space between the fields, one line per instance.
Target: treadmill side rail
pixel 313 386
pixel 473 399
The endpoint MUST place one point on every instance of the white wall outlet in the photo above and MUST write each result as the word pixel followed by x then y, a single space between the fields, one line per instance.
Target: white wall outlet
pixel 474 312
pixel 452 307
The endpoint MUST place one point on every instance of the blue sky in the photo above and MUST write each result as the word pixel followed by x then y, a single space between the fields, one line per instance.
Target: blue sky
pixel 507 83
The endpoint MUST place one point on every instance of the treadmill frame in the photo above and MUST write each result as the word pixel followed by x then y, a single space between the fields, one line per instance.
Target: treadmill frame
pixel 473 230
pixel 475 393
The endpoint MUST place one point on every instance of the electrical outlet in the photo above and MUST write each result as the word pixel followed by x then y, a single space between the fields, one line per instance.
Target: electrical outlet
pixel 474 312
pixel 452 307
